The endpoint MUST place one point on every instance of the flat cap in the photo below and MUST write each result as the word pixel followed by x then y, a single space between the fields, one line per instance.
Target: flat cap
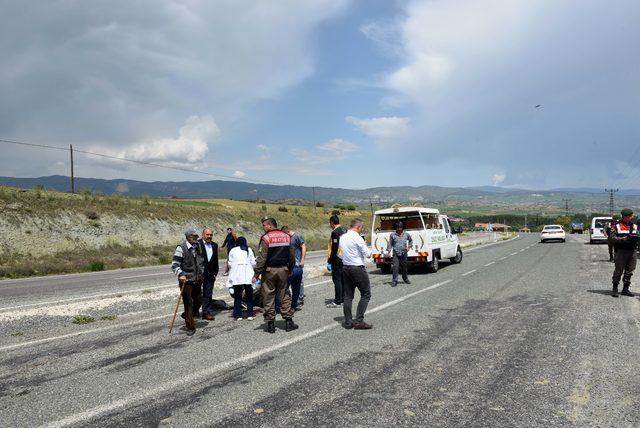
pixel 626 212
pixel 190 231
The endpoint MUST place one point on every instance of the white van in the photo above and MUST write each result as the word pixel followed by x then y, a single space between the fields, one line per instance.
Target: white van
pixel 434 240
pixel 597 229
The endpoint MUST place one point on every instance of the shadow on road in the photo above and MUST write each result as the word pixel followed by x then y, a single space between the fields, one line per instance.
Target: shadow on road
pixel 608 293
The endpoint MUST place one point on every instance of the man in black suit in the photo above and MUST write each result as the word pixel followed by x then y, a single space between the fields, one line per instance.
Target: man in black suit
pixel 209 251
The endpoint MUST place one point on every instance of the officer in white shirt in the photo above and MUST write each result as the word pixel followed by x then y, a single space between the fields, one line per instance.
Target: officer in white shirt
pixel 354 253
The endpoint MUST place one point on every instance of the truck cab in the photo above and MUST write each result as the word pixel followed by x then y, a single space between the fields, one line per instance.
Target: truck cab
pixel 434 240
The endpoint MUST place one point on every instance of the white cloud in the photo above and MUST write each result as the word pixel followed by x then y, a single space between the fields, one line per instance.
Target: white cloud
pixel 239 174
pixel 383 129
pixel 339 147
pixel 498 179
pixel 190 146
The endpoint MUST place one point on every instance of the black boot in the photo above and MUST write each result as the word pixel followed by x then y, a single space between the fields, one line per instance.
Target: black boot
pixel 290 325
pixel 271 327
pixel 625 290
pixel 614 292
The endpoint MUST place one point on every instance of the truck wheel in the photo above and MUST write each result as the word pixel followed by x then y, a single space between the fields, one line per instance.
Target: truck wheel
pixel 386 269
pixel 434 265
pixel 458 258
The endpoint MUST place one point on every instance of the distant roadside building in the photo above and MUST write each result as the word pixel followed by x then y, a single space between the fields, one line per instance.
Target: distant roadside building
pixel 494 227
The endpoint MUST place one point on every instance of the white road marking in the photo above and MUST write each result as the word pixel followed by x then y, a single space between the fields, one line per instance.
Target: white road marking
pixel 469 273
pixel 141 276
pixel 111 327
pixel 489 264
pixel 144 395
pixel 514 253
pixel 522 250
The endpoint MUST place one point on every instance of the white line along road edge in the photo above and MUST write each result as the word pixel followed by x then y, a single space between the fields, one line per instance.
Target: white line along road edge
pixel 84 417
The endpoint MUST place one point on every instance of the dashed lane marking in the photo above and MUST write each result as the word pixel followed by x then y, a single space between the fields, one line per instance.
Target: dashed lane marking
pixel 469 273
pixel 489 264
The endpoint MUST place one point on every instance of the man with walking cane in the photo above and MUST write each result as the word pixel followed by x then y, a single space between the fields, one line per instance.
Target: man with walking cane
pixel 188 266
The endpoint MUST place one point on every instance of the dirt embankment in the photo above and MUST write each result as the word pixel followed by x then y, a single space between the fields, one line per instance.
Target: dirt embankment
pixel 46 232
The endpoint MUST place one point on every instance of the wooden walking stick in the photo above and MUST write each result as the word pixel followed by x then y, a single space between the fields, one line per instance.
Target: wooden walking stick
pixel 176 311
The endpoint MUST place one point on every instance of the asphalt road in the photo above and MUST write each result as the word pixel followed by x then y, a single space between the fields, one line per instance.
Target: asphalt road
pixel 519 334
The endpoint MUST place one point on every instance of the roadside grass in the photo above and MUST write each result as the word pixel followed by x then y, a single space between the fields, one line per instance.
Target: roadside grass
pixel 17 334
pixel 83 319
pixel 108 317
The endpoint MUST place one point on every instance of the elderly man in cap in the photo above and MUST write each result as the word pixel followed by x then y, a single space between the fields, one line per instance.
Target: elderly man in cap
pixel 188 266
pixel 624 238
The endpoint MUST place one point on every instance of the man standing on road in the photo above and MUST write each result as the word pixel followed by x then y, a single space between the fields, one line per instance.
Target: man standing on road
pixel 295 279
pixel 334 261
pixel 624 237
pixel 399 243
pixel 354 252
pixel 230 240
pixel 188 266
pixel 209 251
pixel 275 262
pixel 607 231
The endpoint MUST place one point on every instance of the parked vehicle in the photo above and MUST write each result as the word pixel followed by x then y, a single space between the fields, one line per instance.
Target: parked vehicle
pixel 597 230
pixel 577 228
pixel 434 240
pixel 552 232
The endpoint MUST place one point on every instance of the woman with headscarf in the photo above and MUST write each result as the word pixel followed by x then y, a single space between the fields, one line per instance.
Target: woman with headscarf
pixel 240 265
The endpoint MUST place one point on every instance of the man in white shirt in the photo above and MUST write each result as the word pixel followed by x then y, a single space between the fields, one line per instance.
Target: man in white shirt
pixel 354 253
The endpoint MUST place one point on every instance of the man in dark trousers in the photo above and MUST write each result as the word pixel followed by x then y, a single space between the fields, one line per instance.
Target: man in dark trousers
pixel 399 243
pixel 334 260
pixel 354 254
pixel 275 262
pixel 209 251
pixel 624 237
pixel 607 231
pixel 188 266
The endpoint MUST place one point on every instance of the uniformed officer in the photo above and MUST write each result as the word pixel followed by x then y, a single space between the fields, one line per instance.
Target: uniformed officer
pixel 274 264
pixel 624 237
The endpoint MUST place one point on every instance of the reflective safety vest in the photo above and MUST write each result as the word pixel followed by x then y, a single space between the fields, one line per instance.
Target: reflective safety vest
pixel 278 246
pixel 631 230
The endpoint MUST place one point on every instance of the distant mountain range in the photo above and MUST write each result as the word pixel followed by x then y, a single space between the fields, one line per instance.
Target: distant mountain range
pixel 586 198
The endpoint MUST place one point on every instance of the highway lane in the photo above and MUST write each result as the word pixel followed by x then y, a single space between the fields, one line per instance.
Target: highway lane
pixel 520 333
pixel 47 287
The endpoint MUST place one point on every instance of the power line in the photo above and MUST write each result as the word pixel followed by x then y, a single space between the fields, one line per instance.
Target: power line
pixel 566 206
pixel 611 200
pixel 150 164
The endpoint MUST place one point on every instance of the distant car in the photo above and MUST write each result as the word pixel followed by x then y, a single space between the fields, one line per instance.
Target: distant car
pixel 597 229
pixel 552 232
pixel 577 228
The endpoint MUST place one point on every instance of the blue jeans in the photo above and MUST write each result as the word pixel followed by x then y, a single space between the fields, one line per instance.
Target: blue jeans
pixel 295 281
pixel 237 299
pixel 207 295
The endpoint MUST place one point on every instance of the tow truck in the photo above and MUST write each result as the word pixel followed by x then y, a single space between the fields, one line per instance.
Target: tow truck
pixel 434 240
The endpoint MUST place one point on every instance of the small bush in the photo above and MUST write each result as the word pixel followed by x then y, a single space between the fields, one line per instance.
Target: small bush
pixel 350 207
pixel 163 260
pixel 283 209
pixel 92 215
pixel 96 266
pixel 17 334
pixel 319 204
pixel 335 212
pixel 264 208
pixel 83 319
pixel 296 210
pixel 108 317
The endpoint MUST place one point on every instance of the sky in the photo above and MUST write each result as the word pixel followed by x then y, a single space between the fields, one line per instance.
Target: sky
pixel 535 94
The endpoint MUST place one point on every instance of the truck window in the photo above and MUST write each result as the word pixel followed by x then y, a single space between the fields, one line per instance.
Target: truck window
pixel 431 221
pixel 387 222
pixel 446 225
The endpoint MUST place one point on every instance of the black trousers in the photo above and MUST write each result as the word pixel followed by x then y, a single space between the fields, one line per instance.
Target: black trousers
pixel 399 266
pixel 355 277
pixel 625 264
pixel 192 299
pixel 336 276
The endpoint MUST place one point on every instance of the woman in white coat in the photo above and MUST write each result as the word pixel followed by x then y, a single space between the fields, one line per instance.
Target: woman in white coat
pixel 240 265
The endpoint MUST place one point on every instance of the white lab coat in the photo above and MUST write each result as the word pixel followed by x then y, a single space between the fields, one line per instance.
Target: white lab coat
pixel 241 264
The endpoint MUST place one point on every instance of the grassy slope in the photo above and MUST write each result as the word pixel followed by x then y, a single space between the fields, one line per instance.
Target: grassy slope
pixel 46 232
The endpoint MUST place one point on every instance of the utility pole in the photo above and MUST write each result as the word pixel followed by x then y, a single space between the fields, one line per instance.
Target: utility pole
pixel 371 205
pixel 73 184
pixel 611 200
pixel 314 197
pixel 566 207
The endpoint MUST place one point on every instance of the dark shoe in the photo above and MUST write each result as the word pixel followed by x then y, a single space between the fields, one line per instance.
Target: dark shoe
pixel 626 292
pixel 406 281
pixel 348 326
pixel 209 317
pixel 184 317
pixel 191 332
pixel 362 326
pixel 394 283
pixel 290 325
pixel 614 291
pixel 271 327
